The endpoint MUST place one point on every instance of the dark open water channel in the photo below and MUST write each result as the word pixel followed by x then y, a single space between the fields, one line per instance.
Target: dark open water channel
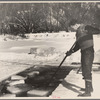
pixel 38 82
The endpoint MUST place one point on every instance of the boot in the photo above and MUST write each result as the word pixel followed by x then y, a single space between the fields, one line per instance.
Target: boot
pixel 84 89
pixel 87 92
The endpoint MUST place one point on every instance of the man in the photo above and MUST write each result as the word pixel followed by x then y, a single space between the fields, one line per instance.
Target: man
pixel 84 42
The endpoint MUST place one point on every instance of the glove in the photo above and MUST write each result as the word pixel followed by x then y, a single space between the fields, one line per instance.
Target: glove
pixel 68 53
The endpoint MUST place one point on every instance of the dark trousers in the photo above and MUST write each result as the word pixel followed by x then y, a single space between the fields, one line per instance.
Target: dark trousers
pixel 87 57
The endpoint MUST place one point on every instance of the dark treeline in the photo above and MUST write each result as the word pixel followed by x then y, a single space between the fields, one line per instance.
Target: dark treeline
pixel 21 18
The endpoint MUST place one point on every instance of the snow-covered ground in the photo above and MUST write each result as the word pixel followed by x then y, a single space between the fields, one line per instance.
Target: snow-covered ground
pixel 17 50
pixel 14 50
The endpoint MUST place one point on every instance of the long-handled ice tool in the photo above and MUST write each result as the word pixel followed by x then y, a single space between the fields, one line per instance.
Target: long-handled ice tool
pixel 67 54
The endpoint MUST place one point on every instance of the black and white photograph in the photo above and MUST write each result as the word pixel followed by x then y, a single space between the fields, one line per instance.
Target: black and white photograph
pixel 50 49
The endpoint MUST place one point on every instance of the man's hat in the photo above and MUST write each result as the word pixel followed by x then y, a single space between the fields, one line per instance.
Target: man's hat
pixel 73 22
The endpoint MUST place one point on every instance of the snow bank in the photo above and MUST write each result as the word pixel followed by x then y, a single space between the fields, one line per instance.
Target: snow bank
pixel 39 36
pixel 9 37
pixel 51 35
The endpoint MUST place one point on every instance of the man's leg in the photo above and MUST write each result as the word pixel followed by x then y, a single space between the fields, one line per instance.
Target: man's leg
pixel 87 60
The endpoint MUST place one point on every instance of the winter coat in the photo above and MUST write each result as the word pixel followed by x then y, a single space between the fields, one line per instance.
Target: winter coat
pixel 84 37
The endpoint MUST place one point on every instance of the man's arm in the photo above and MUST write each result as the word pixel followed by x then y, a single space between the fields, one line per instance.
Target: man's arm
pixel 92 30
pixel 74 49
